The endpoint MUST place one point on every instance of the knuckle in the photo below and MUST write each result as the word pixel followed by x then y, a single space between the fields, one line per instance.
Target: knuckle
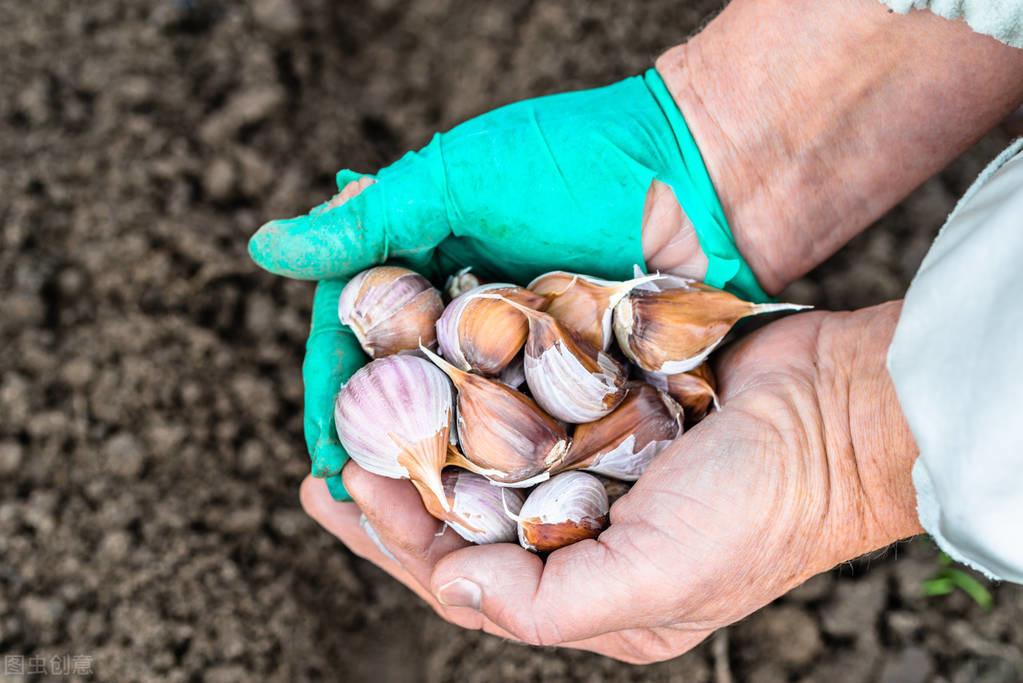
pixel 539 632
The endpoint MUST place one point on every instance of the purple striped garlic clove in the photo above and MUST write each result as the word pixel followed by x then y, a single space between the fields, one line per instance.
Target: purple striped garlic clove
pixel 393 417
pixel 390 309
pixel 474 499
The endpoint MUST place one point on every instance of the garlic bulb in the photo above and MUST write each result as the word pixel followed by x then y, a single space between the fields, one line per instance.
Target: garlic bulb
pixel 694 389
pixel 504 434
pixel 482 504
pixel 568 378
pixel 584 304
pixel 478 332
pixel 393 417
pixel 623 443
pixel 570 507
pixel 390 309
pixel 674 330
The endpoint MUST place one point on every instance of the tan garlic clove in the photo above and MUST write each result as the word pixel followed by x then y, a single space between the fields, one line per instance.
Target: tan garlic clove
pixel 571 507
pixel 480 333
pixel 695 390
pixel 474 499
pixel 674 330
pixel 390 309
pixel 584 304
pixel 623 443
pixel 393 417
pixel 460 283
pixel 567 377
pixel 505 436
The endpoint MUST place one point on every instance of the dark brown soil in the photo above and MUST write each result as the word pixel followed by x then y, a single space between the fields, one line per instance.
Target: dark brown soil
pixel 150 398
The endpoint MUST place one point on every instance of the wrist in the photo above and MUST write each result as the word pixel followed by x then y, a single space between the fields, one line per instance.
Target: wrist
pixel 867 441
pixel 809 135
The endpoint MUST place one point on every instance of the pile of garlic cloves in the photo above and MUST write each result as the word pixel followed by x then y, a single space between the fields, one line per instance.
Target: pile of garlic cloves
pixel 511 409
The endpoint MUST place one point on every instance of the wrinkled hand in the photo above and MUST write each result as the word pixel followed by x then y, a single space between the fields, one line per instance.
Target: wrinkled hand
pixel 807 465
pixel 559 182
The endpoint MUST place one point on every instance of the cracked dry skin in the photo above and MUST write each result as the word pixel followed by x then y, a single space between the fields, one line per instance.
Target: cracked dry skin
pixel 150 396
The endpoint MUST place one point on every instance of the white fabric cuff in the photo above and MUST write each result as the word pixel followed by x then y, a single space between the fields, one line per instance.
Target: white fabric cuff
pixel 957 364
pixel 1001 19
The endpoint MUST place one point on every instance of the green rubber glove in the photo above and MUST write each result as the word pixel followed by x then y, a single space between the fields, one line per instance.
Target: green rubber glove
pixel 554 183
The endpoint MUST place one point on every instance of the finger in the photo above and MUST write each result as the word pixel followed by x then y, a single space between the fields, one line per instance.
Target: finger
pixel 349 184
pixel 342 520
pixel 332 356
pixel 395 510
pixel 402 215
pixel 584 590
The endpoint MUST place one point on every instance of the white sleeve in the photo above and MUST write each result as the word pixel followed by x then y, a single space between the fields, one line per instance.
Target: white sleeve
pixel 1001 19
pixel 957 364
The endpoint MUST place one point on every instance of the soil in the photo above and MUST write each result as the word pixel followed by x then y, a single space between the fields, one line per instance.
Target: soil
pixel 150 397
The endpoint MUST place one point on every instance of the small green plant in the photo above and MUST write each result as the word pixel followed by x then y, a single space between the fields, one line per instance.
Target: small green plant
pixel 949 578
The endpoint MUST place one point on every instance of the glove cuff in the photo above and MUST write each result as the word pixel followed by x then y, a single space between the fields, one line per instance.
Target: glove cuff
pixel 726 268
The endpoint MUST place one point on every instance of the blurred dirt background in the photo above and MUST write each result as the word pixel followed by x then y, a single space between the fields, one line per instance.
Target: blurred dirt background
pixel 150 398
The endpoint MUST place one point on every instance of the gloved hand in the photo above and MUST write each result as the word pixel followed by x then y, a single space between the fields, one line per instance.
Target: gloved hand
pixel 807 465
pixel 557 182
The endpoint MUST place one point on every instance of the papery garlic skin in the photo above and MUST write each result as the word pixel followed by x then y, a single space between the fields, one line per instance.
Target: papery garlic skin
pixel 673 330
pixel 569 508
pixel 390 309
pixel 393 417
pixel 480 333
pixel 461 282
pixel 474 499
pixel 504 434
pixel 584 304
pixel 622 444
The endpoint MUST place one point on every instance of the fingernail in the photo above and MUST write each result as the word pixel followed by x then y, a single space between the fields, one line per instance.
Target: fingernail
pixel 460 593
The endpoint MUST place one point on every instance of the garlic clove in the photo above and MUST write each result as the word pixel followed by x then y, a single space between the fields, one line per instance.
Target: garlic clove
pixel 623 443
pixel 569 508
pixel 584 304
pixel 474 499
pixel 478 332
pixel 504 434
pixel 461 282
pixel 568 378
pixel 674 330
pixel 393 417
pixel 695 390
pixel 390 309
